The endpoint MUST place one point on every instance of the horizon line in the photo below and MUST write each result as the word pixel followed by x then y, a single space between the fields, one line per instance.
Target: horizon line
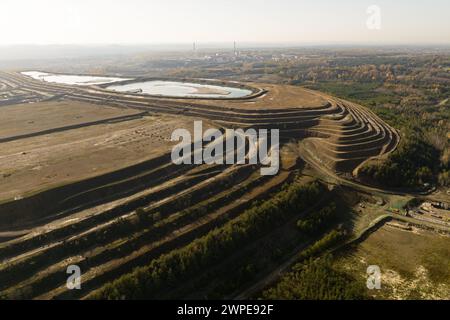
pixel 242 43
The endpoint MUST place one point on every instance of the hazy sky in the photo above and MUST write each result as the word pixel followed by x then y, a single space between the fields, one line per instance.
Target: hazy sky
pixel 185 21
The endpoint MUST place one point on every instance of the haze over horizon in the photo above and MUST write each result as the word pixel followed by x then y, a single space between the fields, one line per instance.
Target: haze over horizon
pixel 176 21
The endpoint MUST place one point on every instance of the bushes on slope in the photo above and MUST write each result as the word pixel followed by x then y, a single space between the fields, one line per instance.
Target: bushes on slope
pixel 413 164
pixel 316 279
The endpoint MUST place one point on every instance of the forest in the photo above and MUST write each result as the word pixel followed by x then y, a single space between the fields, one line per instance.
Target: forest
pixel 413 164
pixel 168 270
pixel 316 279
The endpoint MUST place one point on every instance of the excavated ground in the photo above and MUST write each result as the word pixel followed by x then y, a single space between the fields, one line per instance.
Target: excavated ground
pixel 76 166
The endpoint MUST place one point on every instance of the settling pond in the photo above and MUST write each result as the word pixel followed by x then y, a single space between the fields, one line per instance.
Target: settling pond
pixel 151 87
pixel 71 79
pixel 181 89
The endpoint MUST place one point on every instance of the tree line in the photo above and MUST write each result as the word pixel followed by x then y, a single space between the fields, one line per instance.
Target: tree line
pixel 170 269
pixel 318 220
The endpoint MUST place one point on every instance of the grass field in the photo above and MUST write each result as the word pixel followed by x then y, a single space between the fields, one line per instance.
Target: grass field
pixel 414 264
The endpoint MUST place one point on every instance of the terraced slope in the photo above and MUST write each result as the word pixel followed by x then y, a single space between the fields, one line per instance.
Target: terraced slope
pixel 341 135
pixel 114 222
